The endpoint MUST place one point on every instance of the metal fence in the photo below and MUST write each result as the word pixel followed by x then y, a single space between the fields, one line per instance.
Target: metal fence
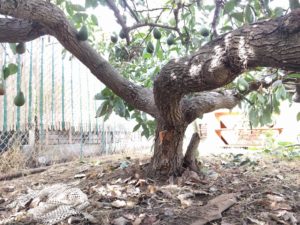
pixel 57 121
pixel 57 145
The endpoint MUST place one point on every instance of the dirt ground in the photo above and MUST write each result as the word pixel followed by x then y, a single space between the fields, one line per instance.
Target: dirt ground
pixel 231 189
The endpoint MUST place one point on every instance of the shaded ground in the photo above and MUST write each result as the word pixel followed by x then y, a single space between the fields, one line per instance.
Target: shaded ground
pixel 255 189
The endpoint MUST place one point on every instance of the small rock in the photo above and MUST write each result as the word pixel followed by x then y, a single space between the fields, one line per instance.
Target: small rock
pixel 118 204
pixel 124 164
pixel 121 221
pixel 169 212
pixel 80 176
pixel 2 200
pixel 213 189
pixel 74 220
pixel 90 218
pixel 9 189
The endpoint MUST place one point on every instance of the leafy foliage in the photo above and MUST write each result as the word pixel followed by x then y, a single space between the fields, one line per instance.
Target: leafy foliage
pixel 171 29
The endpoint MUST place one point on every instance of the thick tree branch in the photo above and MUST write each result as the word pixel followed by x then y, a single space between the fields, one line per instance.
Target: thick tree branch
pixel 205 102
pixel 272 43
pixel 16 30
pixel 54 20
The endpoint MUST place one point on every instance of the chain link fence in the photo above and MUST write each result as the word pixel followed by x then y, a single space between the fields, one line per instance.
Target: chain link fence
pixel 32 147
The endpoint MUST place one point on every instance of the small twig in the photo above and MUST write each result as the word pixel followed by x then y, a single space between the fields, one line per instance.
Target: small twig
pixel 131 11
pixel 21 174
pixel 153 9
pixel 112 5
pixel 219 5
pixel 150 25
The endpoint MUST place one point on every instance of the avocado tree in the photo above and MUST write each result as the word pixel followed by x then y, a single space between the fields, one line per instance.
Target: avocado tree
pixel 173 60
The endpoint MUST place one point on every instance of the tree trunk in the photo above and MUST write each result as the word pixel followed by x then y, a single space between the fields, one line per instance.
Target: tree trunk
pixel 167 159
pixel 190 158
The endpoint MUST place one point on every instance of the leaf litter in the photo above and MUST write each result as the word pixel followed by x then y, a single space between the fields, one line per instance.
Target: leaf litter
pixel 229 190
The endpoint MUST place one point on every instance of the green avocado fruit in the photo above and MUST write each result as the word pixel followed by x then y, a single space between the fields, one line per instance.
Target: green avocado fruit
pixel 150 47
pixel 114 38
pixel 156 33
pixel 2 90
pixel 122 34
pixel 204 32
pixel 21 48
pixel 82 35
pixel 19 99
pixel 171 39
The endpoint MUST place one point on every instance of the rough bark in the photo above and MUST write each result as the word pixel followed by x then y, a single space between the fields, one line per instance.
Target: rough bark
pixel 272 43
pixel 190 158
pixel 16 30
pixel 168 157
pixel 296 96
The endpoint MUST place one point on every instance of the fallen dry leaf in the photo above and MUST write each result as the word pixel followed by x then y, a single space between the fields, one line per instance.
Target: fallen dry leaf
pixel 213 209
pixel 118 204
pixel 121 221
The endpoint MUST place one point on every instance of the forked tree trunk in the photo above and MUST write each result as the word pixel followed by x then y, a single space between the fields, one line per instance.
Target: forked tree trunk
pixel 168 157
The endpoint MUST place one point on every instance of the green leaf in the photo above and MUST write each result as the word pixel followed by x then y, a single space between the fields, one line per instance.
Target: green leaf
pixel 69 9
pixel 59 2
pixel 147 55
pixel 242 85
pixel 76 7
pixel 5 73
pixel 145 131
pixel 260 98
pixel 249 14
pixel 119 107
pixel 108 112
pixel 13 68
pixel 99 96
pixel 91 3
pixel 106 92
pixel 136 127
pixel 79 17
pixel 13 47
pixel 102 110
pixel 94 20
pixel 298 116
pixel 229 6
pixel 294 75
pixel 278 11
pixel 238 16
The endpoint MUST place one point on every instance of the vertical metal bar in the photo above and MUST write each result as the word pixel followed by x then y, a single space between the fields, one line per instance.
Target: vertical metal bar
pixel 42 91
pixel 18 89
pixel 63 93
pixel 5 97
pixel 52 90
pixel 30 87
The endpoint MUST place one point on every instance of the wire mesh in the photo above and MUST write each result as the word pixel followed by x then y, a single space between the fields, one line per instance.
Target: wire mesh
pixel 57 122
